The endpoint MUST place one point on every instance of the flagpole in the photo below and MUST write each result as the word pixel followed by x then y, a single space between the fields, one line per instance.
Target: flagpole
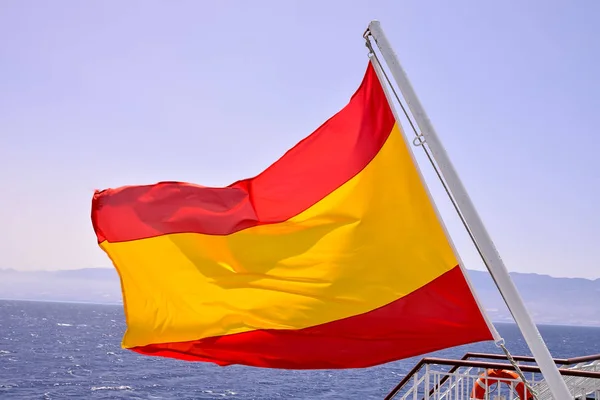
pixel 480 236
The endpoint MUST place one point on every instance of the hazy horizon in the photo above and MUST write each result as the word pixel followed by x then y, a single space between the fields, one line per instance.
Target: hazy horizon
pixel 576 305
pixel 105 94
pixel 114 269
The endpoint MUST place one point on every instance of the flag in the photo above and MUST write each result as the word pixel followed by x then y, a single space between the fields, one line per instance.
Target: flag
pixel 332 257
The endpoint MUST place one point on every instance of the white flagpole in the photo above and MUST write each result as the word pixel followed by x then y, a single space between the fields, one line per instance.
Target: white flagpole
pixel 482 239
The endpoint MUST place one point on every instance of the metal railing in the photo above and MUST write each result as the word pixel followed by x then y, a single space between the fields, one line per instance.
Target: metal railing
pixel 438 378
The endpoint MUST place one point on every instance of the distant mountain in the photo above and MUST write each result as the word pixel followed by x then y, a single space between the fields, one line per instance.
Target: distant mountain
pixel 559 301
pixel 93 285
pixel 564 301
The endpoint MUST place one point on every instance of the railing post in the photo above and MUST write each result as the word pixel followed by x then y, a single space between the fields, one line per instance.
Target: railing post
pixel 416 386
pixel 427 377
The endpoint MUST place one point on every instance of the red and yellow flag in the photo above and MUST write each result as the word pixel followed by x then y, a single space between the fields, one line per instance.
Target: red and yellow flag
pixel 333 257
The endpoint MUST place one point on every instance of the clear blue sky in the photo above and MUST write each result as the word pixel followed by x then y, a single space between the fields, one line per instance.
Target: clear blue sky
pixel 108 93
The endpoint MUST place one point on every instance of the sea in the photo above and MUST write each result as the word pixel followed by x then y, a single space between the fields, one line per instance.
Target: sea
pixel 73 351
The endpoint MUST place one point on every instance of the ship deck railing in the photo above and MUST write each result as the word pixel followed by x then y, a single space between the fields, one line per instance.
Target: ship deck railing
pixel 449 379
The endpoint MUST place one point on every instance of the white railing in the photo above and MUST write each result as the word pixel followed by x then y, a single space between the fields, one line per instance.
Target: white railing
pixel 581 387
pixel 444 381
pixel 437 385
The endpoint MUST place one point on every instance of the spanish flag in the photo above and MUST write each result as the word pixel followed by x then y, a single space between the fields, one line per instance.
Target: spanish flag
pixel 333 257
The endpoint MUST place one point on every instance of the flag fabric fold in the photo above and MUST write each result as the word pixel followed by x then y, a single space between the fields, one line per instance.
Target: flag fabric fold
pixel 333 257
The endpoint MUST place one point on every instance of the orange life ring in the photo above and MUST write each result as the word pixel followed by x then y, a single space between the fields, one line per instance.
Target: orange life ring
pixel 493 376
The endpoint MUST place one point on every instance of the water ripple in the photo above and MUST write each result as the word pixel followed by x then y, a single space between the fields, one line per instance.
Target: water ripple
pixel 64 351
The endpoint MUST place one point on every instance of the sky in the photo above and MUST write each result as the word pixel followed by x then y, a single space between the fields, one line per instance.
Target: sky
pixel 102 94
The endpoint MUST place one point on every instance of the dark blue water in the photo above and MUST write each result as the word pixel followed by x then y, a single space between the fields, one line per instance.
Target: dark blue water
pixel 61 350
